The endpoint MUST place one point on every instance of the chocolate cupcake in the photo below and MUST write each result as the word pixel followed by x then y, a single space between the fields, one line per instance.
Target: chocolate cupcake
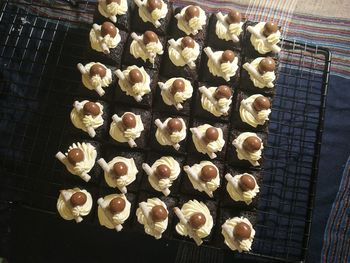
pixel 261 39
pixel 251 112
pixel 174 95
pixel 152 15
pixel 259 76
pixel 135 85
pixel 115 11
pixel 144 49
pixel 220 67
pixel 226 31
pixel 107 43
pixel 182 58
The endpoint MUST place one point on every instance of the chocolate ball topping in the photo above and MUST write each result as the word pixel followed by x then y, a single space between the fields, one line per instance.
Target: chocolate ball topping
pixel 177 86
pixel 149 36
pixel 261 103
pixel 158 213
pixel 129 120
pixel 113 1
pixel 78 198
pixel 197 220
pixel 252 144
pixel 191 12
pixel 223 92
pixel 97 69
pixel 135 76
pixel 117 205
pixel 211 134
pixel 208 173
pixel 163 171
pixel 75 156
pixel 233 17
pixel 246 182
pixel 270 28
pixel 227 56
pixel 174 125
pixel 187 42
pixel 242 231
pixel 91 108
pixel 154 4
pixel 120 169
pixel 108 28
pixel 266 65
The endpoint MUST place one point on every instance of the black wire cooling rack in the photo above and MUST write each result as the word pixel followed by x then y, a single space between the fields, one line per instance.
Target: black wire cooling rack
pixel 40 45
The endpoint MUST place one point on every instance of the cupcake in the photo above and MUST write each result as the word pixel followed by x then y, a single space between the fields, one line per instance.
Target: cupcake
pixel 113 211
pixel 238 233
pixel 74 204
pixel 117 11
pixel 153 214
pixel 162 173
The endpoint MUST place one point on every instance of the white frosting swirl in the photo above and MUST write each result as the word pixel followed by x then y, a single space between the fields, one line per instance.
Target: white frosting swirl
pixel 112 220
pixel 214 146
pixel 68 212
pixel 124 135
pixel 179 97
pixel 155 229
pixel 138 89
pixel 259 44
pixel 188 209
pixel 236 192
pixel 250 115
pixel 194 25
pixel 162 184
pixel 124 180
pixel 113 9
pixel 200 185
pixel 226 70
pixel 96 81
pixel 156 14
pixel 254 157
pixel 153 48
pixel 81 121
pixel 111 42
pixel 225 33
pixel 267 77
pixel 233 243
pixel 175 137
pixel 223 103
pixel 186 55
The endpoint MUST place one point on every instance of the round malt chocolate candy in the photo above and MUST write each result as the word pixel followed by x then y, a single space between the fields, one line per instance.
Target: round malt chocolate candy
pixel 174 125
pixel 135 76
pixel 233 17
pixel 78 198
pixel 208 173
pixel 117 205
pixel 154 4
pixel 75 155
pixel 187 42
pixel 211 134
pixel 266 65
pixel 242 231
pixel 113 1
pixel 149 36
pixel 97 69
pixel 158 213
pixel 177 86
pixel 108 28
pixel 191 12
pixel 270 28
pixel 223 91
pixel 252 144
pixel 246 182
pixel 129 120
pixel 261 103
pixel 227 56
pixel 91 108
pixel 163 171
pixel 120 169
pixel 197 220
